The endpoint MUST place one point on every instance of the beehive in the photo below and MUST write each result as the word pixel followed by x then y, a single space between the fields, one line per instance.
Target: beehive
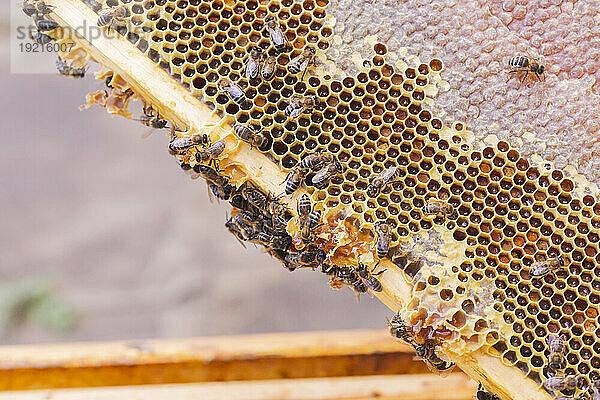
pixel 467 278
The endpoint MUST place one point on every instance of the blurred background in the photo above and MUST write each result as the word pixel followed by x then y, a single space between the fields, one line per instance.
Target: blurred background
pixel 103 237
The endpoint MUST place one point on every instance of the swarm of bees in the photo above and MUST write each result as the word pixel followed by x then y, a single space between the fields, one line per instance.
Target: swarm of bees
pixel 261 218
pixel 39 10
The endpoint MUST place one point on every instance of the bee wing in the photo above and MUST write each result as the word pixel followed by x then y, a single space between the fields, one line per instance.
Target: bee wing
pixel 147 133
pixel 320 176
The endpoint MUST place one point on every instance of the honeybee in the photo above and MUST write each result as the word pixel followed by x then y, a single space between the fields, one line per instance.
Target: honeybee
pixel 178 145
pixel 558 349
pixel 399 329
pixel 304 207
pixel 294 179
pixel 277 242
pixel 542 268
pixel 254 196
pixel 321 178
pixel 109 16
pixel 220 192
pixel 300 104
pixel 521 63
pixel 381 180
pixel 249 135
pixel 596 389
pixel 274 30
pixel 301 62
pixel 309 219
pixel 369 278
pixel 45 25
pixel 37 7
pixel 309 225
pixel 219 185
pixel 65 69
pixel 483 395
pixel 384 238
pixel 276 208
pixel 331 270
pixel 210 153
pixel 306 258
pixel 236 231
pixel 351 278
pixel 149 118
pixel 316 160
pixel 268 67
pixel 426 352
pixel 436 207
pixel 233 91
pixel 561 382
pixel 253 63
pixel 40 38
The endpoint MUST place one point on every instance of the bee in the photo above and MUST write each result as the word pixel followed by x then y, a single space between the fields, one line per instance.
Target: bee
pixel 316 160
pixel 558 349
pixel 426 352
pixel 331 270
pixel 210 153
pixel 220 192
pixel 179 145
pixel 233 91
pixel 277 242
pixel 109 16
pixel 351 278
pixel 309 219
pixel 436 207
pixel 369 278
pixel 300 104
pixel 542 268
pixel 323 176
pixel 301 62
pixel 399 329
pixel 211 175
pixel 294 179
pixel 45 25
pixel 276 208
pixel 483 395
pixel 521 63
pixel 560 382
pixel 253 62
pixel 254 196
pixel 309 225
pixel 37 7
pixel 40 38
pixel 277 37
pixel 384 237
pixel 242 226
pixel 596 389
pixel 381 180
pixel 304 207
pixel 268 67
pixel 65 69
pixel 307 258
pixel 249 135
pixel 239 201
pixel 148 119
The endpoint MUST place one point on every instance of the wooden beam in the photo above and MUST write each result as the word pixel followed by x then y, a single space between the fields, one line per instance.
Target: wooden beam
pixel 252 357
pixel 405 387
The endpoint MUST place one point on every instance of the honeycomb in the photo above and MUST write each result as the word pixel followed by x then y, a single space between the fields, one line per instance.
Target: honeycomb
pixel 470 273
pixel 475 39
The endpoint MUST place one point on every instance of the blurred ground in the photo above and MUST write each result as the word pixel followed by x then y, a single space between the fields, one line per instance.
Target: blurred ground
pixel 102 226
